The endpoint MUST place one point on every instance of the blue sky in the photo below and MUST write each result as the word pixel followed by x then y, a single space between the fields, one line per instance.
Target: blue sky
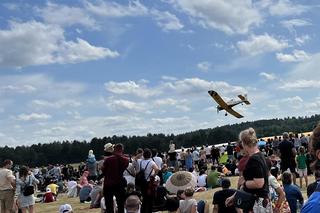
pixel 82 69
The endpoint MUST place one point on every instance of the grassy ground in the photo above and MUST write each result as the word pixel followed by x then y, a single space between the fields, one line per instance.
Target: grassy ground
pixel 84 208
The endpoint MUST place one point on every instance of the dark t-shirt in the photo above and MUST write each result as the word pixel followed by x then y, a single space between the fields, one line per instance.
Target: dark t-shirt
pixel 229 150
pixel 285 148
pixel 219 198
pixel 172 156
pixel 311 188
pixel 256 167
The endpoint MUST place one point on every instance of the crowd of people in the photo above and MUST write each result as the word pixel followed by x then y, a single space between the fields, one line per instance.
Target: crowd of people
pixel 139 182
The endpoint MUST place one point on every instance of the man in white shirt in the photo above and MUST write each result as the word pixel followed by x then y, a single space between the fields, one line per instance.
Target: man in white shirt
pixel 7 187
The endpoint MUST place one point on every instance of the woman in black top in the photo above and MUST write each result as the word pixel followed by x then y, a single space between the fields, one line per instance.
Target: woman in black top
pixel 255 174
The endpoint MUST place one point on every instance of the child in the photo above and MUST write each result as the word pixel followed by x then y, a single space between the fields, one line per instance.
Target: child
pixel 91 157
pixel 48 197
pixel 302 165
pixel 189 205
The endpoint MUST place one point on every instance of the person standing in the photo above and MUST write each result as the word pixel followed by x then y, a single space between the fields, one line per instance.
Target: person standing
pixel 255 174
pixel 287 154
pixel 313 203
pixel 7 185
pixel 114 182
pixel 25 201
pixel 302 166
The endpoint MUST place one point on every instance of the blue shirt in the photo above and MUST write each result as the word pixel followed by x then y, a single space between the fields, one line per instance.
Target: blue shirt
pixel 313 203
pixel 293 194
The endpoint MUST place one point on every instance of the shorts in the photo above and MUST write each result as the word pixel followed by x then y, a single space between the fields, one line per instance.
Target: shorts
pixel 284 166
pixel 303 172
pixel 7 199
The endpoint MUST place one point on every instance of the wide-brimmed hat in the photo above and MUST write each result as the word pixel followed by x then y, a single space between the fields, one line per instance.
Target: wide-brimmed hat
pixel 180 181
pixel 108 147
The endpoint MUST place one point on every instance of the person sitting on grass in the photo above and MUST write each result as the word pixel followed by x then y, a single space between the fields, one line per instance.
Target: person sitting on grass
pixel 292 192
pixel 132 204
pixel 66 208
pixel 219 198
pixel 202 179
pixel 189 204
pixel 84 194
pixel 312 187
pixel 54 188
pixel 213 178
pixel 48 196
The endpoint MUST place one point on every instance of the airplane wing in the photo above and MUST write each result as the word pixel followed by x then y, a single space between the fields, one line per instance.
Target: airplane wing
pixel 218 99
pixel 223 104
pixel 244 99
pixel 234 113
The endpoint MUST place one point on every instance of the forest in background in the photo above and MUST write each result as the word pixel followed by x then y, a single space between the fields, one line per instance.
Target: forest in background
pixel 65 152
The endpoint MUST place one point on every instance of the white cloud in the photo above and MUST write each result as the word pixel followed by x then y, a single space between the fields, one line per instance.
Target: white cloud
pixel 300 85
pixel 306 70
pixel 113 9
pixel 231 16
pixel 287 8
pixel 302 39
pixel 268 76
pixel 33 116
pixel 168 78
pixel 125 105
pixel 131 87
pixel 170 120
pixel 261 44
pixel 292 23
pixel 196 86
pixel 204 66
pixel 166 20
pixel 56 104
pixel 64 15
pixel 179 104
pixel 34 43
pixel 296 56
pixel 18 88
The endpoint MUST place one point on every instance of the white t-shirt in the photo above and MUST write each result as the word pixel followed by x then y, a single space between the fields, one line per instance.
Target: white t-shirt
pixel 208 150
pixel 185 206
pixel 71 184
pixel 158 161
pixel 148 170
pixel 202 180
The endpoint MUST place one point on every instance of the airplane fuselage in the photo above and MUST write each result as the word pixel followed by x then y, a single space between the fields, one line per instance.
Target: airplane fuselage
pixel 230 104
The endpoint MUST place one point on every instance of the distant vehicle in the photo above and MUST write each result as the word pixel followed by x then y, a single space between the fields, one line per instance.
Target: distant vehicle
pixel 227 106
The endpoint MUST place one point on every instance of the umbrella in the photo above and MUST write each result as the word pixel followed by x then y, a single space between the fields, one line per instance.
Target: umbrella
pixel 180 181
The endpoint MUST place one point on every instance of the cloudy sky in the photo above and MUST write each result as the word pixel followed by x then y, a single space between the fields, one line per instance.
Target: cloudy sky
pixel 79 69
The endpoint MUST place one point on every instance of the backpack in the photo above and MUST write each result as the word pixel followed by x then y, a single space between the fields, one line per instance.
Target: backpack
pixel 141 180
pixel 28 189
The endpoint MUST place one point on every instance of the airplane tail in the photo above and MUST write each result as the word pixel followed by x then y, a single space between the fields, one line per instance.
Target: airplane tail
pixel 244 98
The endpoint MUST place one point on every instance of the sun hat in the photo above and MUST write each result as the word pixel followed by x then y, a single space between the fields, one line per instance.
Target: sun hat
pixel 66 208
pixel 108 147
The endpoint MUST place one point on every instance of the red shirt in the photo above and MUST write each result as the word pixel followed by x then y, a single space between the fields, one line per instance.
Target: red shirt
pixel 113 168
pixel 243 162
pixel 48 197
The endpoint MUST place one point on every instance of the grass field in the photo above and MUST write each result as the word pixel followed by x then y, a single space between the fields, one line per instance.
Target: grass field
pixel 84 208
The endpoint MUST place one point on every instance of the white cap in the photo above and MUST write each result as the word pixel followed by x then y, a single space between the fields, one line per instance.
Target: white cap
pixel 66 208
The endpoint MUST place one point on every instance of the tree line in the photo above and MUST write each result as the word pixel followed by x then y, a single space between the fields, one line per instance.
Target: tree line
pixel 64 152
